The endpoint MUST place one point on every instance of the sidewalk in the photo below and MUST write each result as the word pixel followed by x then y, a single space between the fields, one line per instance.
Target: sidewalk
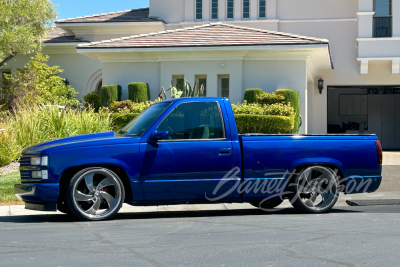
pixel 19 210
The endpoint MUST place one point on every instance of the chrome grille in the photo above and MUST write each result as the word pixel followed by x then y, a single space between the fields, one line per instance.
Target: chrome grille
pixel 25 161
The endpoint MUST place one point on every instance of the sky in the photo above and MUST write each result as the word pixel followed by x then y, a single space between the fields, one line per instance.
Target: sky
pixel 76 8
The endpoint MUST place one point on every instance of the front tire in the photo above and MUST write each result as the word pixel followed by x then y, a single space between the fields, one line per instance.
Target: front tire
pixel 315 190
pixel 95 194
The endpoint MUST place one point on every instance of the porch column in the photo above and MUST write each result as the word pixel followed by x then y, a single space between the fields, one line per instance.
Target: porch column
pixel 254 9
pixel 221 10
pixel 189 10
pixel 310 106
pixel 237 10
pixel 206 10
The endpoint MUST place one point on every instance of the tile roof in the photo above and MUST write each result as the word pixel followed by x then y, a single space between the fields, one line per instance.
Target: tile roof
pixel 208 35
pixel 57 35
pixel 134 15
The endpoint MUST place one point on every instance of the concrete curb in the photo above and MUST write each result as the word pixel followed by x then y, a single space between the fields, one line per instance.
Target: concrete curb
pixel 19 210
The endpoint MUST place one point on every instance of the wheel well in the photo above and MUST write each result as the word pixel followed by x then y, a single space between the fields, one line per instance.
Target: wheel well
pixel 335 168
pixel 70 172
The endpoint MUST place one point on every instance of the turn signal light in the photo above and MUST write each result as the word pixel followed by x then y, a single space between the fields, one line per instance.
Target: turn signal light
pixel 379 152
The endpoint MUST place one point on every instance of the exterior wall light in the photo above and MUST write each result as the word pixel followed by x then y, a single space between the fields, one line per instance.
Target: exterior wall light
pixel 320 85
pixel 66 82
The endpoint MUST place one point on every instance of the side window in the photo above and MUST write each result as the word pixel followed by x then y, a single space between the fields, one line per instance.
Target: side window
pixel 201 120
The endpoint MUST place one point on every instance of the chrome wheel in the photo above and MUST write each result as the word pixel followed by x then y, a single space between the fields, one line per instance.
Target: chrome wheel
pixel 96 193
pixel 316 189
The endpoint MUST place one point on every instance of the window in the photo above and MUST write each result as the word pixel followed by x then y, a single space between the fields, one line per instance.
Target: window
pixel 179 84
pixel 246 9
pixel 229 14
pixel 140 124
pixel 223 85
pixel 197 120
pixel 214 9
pixel 383 18
pixel 202 80
pixel 199 9
pixel 262 9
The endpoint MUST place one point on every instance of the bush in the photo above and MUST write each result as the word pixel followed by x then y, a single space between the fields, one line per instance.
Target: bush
pixel 270 99
pixel 120 120
pixel 37 83
pixel 148 92
pixel 257 109
pixel 30 125
pixel 292 98
pixel 109 94
pixel 250 95
pixel 249 123
pixel 138 92
pixel 129 107
pixel 92 100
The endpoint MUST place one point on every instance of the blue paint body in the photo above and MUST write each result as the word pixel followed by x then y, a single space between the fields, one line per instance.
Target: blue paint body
pixel 189 171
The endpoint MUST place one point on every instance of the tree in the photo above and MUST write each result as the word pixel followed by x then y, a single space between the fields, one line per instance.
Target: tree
pixel 23 25
pixel 37 83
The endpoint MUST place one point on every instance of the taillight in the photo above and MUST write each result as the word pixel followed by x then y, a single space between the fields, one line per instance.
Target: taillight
pixel 379 151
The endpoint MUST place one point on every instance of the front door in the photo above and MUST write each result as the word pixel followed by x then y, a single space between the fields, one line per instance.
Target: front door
pixel 195 158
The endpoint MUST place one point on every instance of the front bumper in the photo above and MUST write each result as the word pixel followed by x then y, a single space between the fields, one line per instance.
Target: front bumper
pixel 40 196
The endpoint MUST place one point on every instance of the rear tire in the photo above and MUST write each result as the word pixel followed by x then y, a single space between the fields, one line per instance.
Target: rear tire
pixel 95 194
pixel 314 190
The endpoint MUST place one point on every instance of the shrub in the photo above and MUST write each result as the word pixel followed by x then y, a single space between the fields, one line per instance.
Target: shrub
pixel 37 83
pixel 30 125
pixel 270 99
pixel 138 92
pixel 120 120
pixel 250 95
pixel 257 109
pixel 109 94
pixel 249 123
pixel 129 107
pixel 148 92
pixel 292 98
pixel 92 100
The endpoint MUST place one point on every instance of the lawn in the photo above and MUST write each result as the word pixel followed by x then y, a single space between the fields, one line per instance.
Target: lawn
pixel 7 188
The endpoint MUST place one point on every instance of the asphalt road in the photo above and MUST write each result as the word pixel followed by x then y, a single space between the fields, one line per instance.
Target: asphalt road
pixel 350 236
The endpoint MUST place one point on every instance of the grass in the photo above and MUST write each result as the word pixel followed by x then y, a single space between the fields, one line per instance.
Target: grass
pixel 36 124
pixel 7 182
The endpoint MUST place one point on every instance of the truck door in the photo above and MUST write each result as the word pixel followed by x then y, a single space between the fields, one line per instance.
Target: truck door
pixel 193 161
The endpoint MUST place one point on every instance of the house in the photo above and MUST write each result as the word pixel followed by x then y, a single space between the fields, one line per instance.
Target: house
pixel 343 56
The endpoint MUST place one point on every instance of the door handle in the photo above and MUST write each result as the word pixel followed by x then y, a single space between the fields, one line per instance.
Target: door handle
pixel 224 151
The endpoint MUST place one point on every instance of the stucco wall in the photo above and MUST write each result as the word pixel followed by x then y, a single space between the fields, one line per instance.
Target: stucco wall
pixel 170 11
pixel 125 73
pixel 77 68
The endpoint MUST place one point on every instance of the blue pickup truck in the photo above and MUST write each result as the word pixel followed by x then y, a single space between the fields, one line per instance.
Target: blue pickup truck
pixel 188 151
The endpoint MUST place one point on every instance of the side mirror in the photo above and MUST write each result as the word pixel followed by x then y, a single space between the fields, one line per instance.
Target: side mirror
pixel 159 136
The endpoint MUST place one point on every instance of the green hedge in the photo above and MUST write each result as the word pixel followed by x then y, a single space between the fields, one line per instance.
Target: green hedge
pixel 248 123
pixel 109 94
pixel 250 95
pixel 138 92
pixel 122 119
pixel 270 99
pixel 292 97
pixel 148 92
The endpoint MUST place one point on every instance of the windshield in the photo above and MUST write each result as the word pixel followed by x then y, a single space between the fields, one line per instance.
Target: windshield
pixel 140 124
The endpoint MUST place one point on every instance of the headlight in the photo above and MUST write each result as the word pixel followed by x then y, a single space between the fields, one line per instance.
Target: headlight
pixel 37 161
pixel 44 175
